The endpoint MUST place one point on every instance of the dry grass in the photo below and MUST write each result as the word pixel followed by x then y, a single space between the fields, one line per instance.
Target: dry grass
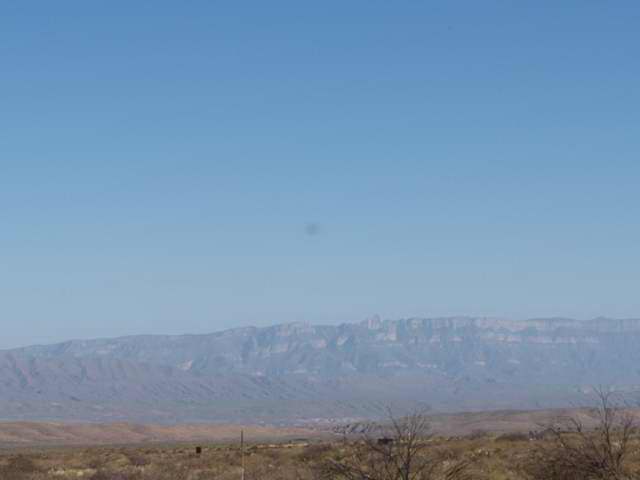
pixel 491 458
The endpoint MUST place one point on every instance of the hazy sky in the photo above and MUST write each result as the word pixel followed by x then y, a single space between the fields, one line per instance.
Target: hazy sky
pixel 171 167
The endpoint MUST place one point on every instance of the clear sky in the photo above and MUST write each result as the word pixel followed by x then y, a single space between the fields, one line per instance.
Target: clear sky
pixel 170 167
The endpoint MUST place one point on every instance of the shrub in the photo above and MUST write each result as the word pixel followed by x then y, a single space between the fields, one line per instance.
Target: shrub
pixel 18 468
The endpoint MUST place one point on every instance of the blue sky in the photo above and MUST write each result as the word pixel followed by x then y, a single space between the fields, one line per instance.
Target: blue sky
pixel 161 163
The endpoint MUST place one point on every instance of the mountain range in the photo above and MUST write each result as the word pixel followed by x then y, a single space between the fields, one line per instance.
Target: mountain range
pixel 301 373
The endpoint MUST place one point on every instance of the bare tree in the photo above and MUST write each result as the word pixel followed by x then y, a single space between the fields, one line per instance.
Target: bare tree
pixel 399 451
pixel 577 452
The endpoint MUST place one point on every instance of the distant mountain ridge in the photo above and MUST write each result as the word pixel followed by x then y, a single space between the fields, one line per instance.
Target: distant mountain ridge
pixel 298 371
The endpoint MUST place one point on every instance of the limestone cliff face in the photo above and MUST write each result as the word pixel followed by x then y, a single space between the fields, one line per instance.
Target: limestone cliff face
pixel 377 346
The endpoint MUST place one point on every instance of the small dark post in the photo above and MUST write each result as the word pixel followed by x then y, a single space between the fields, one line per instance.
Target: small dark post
pixel 242 452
